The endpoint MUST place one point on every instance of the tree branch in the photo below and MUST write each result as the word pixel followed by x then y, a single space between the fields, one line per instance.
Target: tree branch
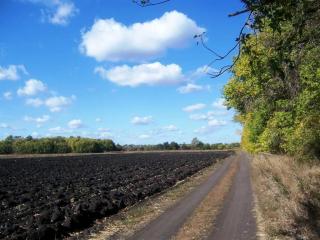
pixel 147 3
pixel 221 57
pixel 238 12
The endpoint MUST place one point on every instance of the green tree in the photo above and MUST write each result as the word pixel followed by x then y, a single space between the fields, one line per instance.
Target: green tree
pixel 275 86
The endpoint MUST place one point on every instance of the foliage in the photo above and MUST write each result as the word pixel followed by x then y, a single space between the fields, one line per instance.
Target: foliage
pixel 184 146
pixel 275 85
pixel 30 145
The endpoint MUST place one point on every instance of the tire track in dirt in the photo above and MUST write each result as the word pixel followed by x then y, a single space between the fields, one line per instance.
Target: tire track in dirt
pixel 168 223
pixel 236 220
pixel 233 221
pixel 199 224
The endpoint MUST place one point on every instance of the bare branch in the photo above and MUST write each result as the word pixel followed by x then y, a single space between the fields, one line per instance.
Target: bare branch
pixel 147 3
pixel 200 37
pixel 238 12
pixel 221 57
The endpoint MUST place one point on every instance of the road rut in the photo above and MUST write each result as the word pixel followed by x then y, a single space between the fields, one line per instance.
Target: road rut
pixel 235 220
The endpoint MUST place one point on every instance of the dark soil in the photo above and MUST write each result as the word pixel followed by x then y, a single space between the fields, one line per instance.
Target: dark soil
pixel 50 197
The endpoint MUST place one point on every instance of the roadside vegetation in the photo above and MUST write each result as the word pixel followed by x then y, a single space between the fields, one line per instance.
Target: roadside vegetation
pixel 30 145
pixel 276 79
pixel 288 199
pixel 275 89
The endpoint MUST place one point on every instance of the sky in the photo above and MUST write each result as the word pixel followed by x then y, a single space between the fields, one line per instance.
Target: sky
pixel 112 69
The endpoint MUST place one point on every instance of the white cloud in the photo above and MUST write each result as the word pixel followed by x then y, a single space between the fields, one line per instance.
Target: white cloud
pixel 103 129
pixel 113 41
pixel 58 12
pixel 56 129
pixel 63 13
pixel 12 72
pixel 98 120
pixel 142 120
pixel 35 102
pixel 194 107
pixel 211 126
pixel 38 120
pixel 203 71
pixel 57 103
pixel 190 87
pixel 104 133
pixel 75 124
pixel 32 87
pixel 7 95
pixel 60 130
pixel 219 103
pixel 144 136
pixel 170 128
pixel 148 74
pixel 216 123
pixel 4 125
pixel 199 116
pixel 207 116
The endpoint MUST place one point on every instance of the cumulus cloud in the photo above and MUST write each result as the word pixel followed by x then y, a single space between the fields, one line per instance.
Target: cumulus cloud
pixel 104 133
pixel 38 120
pixel 211 126
pixel 202 71
pixel 147 74
pixel 12 72
pixel 219 103
pixel 103 129
pixel 190 87
pixel 63 13
pixel 199 116
pixel 32 87
pixel 75 124
pixel 60 130
pixel 207 116
pixel 7 95
pixel 144 136
pixel 55 103
pixel 170 128
pixel 56 129
pixel 194 107
pixel 216 123
pixel 5 126
pixel 110 40
pixel 34 102
pixel 58 12
pixel 142 120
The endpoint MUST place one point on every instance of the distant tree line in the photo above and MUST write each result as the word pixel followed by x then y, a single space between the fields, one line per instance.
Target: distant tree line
pixel 194 145
pixel 30 145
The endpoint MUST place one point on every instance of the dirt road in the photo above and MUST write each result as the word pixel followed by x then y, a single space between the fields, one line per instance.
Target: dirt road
pixel 233 220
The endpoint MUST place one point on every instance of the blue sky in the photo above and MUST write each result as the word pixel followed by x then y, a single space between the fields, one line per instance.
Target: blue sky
pixel 112 69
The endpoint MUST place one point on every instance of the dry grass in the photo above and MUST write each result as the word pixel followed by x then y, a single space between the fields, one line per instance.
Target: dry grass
pixel 200 223
pixel 132 219
pixel 287 196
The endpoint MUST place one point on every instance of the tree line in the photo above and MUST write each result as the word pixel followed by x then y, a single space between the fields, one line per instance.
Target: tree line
pixel 275 85
pixel 195 144
pixel 30 145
